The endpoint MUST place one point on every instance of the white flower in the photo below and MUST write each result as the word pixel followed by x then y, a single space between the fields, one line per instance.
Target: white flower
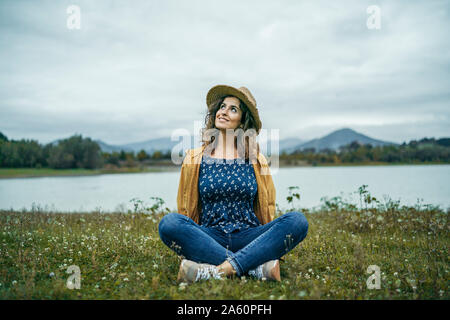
pixel 51 274
pixel 125 279
pixel 302 293
pixel 182 285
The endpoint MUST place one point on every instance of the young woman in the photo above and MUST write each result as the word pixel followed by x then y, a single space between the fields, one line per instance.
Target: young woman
pixel 226 199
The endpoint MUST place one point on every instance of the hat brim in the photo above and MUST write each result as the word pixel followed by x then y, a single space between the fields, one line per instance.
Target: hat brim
pixel 220 91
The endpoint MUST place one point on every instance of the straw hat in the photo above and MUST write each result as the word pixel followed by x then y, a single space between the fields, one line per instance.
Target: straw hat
pixel 242 93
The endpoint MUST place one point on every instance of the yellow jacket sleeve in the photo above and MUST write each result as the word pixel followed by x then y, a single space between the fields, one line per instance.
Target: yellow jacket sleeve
pixel 181 196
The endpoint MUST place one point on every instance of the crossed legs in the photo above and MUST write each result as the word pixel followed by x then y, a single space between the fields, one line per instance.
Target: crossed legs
pixel 251 247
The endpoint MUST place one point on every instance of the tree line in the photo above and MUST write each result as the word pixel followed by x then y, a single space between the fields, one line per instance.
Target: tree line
pixel 78 152
pixel 71 153
pixel 425 150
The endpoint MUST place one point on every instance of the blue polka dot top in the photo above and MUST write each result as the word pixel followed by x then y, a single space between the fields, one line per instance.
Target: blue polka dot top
pixel 227 190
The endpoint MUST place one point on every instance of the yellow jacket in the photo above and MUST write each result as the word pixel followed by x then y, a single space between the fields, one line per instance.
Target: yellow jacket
pixel 188 195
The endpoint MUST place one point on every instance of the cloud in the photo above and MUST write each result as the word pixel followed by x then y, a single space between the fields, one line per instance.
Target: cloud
pixel 135 72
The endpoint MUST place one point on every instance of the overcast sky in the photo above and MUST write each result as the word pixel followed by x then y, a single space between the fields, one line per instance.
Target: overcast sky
pixel 138 70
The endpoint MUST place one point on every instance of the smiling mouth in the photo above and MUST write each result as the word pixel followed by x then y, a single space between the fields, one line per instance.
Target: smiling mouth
pixel 223 119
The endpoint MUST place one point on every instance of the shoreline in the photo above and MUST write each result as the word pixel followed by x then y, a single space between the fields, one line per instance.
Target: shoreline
pixel 15 173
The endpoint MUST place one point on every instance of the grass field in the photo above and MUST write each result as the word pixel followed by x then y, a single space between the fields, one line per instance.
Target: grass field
pixel 120 256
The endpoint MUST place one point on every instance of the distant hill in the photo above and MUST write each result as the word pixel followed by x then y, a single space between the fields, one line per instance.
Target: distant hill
pixel 165 144
pixel 112 148
pixel 337 139
pixel 283 144
pixel 332 141
pixel 150 146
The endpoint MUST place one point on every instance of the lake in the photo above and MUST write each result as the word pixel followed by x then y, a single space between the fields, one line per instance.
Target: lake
pixel 113 192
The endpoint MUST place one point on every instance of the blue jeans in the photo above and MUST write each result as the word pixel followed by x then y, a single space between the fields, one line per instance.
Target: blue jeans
pixel 245 250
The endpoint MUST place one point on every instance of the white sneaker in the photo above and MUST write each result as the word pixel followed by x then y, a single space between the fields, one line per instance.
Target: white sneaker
pixel 267 271
pixel 191 271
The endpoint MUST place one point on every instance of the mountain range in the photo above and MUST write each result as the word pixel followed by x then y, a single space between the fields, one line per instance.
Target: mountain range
pixel 332 141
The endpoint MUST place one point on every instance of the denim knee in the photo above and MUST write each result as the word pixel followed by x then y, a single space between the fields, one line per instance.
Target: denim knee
pixel 298 223
pixel 169 224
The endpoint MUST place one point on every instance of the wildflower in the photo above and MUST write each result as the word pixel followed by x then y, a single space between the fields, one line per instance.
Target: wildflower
pixel 125 279
pixel 103 278
pixel 51 274
pixel 302 293
pixel 14 282
pixel 182 285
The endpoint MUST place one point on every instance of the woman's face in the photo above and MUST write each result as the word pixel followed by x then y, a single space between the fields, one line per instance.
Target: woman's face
pixel 229 114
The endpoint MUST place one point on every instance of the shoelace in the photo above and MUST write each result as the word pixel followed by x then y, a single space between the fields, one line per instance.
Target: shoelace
pixel 207 272
pixel 257 273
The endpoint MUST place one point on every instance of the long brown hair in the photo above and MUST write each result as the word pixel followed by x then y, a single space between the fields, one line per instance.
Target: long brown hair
pixel 247 122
